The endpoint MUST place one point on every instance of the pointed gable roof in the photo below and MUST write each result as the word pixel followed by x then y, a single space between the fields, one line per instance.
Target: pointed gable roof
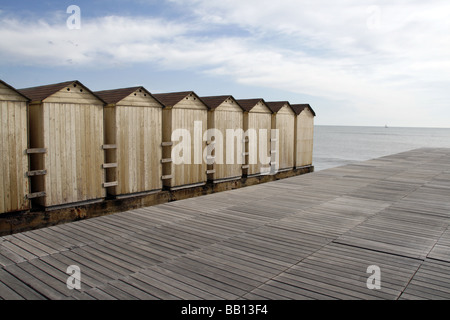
pixel 172 98
pixel 275 106
pixel 249 104
pixel 14 89
pixel 116 95
pixel 41 93
pixel 215 101
pixel 298 108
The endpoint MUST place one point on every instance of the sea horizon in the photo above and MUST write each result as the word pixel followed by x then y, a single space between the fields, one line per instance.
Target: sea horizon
pixel 337 145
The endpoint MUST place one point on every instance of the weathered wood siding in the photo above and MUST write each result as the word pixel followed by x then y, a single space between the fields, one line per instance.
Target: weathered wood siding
pixel 304 138
pixel 259 118
pixel 228 116
pixel 70 125
pixel 183 116
pixel 134 125
pixel 14 184
pixel 284 122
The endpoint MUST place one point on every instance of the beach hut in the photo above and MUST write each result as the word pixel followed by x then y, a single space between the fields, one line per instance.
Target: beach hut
pixel 14 184
pixel 133 130
pixel 66 136
pixel 283 120
pixel 184 119
pixel 304 134
pixel 226 116
pixel 257 125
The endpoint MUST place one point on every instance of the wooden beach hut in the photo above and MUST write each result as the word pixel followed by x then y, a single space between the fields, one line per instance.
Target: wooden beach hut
pixel 304 134
pixel 226 116
pixel 283 120
pixel 14 184
pixel 257 125
pixel 133 132
pixel 66 136
pixel 184 119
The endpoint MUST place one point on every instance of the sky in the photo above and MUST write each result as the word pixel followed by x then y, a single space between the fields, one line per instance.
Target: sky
pixel 356 62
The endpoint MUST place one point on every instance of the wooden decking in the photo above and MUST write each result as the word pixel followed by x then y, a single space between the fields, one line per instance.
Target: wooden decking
pixel 306 237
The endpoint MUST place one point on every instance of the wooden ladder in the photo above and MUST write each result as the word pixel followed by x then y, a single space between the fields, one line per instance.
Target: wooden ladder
pixel 109 166
pixel 34 173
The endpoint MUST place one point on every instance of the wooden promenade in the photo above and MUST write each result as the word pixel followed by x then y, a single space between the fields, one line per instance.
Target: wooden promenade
pixel 306 237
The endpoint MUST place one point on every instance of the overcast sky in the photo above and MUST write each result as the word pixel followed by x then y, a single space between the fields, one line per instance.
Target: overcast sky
pixel 356 62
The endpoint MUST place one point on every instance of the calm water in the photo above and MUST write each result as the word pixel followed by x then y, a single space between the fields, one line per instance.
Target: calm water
pixel 338 145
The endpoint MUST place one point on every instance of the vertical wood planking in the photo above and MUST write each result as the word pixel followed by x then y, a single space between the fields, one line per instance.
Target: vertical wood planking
pixel 51 174
pixel 74 135
pixel 212 125
pixel 58 196
pixel 73 149
pixel 126 160
pixel 152 141
pixel 138 139
pixel 12 156
pixel 3 183
pixel 305 136
pixel 91 169
pixel 227 116
pixel 65 172
pixel 101 192
pixel 23 157
pixel 135 150
pixel 184 115
pixel 42 122
pixel 13 142
pixel 80 157
pixel 18 184
pixel 285 121
pixel 259 120
pixel 5 161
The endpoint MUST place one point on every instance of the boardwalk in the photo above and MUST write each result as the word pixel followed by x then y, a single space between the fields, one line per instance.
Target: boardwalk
pixel 306 237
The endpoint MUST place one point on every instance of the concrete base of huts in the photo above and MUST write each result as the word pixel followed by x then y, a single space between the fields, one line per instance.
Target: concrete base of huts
pixel 15 222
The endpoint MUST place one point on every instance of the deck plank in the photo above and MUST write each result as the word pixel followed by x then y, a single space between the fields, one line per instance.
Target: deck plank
pixel 306 237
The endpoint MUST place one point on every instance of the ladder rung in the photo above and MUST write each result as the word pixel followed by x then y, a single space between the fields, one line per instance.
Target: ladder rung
pixel 109 165
pixel 210 171
pixel 166 144
pixel 109 146
pixel 37 150
pixel 245 166
pixel 110 184
pixel 36 173
pixel 36 195
pixel 166 177
pixel 166 160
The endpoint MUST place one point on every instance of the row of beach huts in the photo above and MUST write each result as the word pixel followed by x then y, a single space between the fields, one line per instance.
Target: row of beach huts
pixel 63 144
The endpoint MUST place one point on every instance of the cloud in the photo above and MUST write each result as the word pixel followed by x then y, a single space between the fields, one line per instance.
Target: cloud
pixel 384 59
pixel 380 59
pixel 103 41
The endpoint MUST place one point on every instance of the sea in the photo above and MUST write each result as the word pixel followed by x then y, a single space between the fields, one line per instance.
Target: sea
pixel 340 145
